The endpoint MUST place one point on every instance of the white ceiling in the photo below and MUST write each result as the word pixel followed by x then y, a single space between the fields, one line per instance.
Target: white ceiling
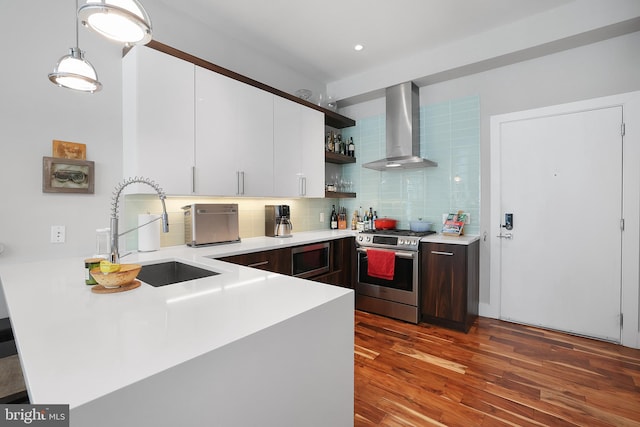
pixel 316 37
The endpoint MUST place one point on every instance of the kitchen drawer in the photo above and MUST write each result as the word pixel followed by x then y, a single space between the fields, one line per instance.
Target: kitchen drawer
pixel 277 260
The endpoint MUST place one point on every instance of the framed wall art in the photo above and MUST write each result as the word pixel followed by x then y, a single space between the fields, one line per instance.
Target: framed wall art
pixel 67 175
pixel 69 150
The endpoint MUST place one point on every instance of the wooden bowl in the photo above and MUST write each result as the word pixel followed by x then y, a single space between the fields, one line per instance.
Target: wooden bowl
pixel 124 276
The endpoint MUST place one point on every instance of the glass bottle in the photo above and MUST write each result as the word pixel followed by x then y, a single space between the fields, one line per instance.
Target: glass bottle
pixel 371 223
pixel 334 218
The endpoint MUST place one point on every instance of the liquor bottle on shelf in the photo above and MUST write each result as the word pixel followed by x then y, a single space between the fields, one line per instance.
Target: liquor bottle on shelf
pixel 334 218
pixel 336 143
pixel 352 148
pixel 371 223
pixel 365 220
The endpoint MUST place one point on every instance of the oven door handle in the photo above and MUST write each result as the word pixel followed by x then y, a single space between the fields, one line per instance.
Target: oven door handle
pixel 399 254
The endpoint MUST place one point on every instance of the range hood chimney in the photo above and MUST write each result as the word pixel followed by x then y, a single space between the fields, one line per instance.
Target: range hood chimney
pixel 403 130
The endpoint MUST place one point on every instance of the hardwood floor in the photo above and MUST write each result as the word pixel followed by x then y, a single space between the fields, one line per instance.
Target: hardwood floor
pixel 499 374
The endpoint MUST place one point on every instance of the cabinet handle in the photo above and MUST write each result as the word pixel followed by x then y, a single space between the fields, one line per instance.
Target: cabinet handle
pixel 239 182
pixel 193 179
pixel 303 186
pixel 442 253
pixel 257 264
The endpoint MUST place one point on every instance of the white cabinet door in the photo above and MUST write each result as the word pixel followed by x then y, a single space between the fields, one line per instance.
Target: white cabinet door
pixel 255 146
pixel 298 145
pixel 216 142
pixel 158 111
pixel 234 137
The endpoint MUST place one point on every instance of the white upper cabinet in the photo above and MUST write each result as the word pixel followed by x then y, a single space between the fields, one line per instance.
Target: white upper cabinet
pixel 299 150
pixel 198 132
pixel 234 137
pixel 158 112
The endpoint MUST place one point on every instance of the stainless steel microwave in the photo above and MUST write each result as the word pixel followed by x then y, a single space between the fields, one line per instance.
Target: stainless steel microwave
pixel 310 260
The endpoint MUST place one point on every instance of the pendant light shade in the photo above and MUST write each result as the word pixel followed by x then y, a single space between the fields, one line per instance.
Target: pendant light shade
pixel 125 21
pixel 74 72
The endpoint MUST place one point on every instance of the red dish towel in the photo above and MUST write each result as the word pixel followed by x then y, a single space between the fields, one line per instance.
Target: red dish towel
pixel 381 264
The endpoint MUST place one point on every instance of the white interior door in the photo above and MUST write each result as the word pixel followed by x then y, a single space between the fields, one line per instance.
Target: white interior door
pixel 561 178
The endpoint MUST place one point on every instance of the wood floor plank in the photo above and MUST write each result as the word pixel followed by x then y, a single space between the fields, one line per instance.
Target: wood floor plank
pixel 497 374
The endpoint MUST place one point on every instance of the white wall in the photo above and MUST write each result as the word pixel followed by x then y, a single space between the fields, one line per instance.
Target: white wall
pixel 605 68
pixel 34 112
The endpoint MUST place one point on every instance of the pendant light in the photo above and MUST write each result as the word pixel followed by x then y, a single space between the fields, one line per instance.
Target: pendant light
pixel 125 21
pixel 74 72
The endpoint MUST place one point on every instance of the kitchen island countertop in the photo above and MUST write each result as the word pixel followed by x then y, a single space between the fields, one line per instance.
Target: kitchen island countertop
pixel 77 346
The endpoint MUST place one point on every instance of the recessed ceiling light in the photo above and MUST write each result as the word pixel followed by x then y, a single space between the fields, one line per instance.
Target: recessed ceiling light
pixel 358 47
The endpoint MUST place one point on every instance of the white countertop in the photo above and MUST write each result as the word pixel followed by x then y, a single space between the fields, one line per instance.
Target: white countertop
pixel 76 345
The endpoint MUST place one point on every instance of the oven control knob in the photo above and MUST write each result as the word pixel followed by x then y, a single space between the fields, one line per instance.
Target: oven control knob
pixel 359 238
pixel 415 243
pixel 368 239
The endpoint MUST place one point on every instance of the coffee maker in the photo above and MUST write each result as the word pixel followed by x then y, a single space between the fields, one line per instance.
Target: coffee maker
pixel 277 221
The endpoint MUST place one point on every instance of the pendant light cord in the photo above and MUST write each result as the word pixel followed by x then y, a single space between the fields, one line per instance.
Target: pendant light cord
pixel 75 14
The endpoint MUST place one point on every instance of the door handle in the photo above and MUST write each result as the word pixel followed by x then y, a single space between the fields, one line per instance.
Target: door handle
pixel 505 236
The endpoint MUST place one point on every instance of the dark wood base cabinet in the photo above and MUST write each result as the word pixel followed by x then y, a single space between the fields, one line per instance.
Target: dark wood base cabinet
pixel 449 284
pixel 341 258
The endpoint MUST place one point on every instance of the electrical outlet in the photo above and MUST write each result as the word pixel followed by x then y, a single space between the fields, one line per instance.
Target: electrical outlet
pixel 58 233
pixel 321 216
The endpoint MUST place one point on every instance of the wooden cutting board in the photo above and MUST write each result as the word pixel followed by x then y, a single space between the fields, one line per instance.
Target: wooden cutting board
pixel 99 289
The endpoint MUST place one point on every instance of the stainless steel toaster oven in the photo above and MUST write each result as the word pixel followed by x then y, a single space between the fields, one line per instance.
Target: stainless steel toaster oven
pixel 211 224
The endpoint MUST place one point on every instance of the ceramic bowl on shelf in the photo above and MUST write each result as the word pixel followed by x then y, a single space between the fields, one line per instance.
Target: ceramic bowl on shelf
pixel 124 276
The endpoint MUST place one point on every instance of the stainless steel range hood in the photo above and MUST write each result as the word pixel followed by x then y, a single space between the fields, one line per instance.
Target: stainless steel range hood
pixel 403 131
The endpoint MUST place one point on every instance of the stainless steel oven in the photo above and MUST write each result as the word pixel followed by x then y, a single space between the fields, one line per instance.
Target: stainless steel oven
pixel 396 297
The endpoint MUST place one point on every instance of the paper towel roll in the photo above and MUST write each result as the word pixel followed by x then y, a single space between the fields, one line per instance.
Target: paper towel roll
pixel 148 235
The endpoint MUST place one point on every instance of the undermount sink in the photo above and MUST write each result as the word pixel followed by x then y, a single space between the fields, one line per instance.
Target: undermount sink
pixel 167 273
